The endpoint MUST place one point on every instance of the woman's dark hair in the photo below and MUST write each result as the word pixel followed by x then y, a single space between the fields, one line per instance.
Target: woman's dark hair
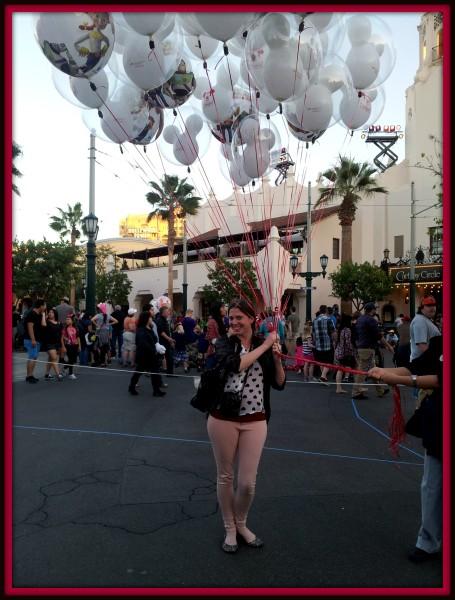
pixel 215 313
pixel 51 310
pixel 104 318
pixel 244 307
pixel 346 321
pixel 143 319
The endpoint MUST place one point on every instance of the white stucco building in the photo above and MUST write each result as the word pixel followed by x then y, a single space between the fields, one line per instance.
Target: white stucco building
pixel 386 226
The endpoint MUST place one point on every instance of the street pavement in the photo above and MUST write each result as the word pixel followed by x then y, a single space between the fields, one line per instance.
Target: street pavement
pixel 112 490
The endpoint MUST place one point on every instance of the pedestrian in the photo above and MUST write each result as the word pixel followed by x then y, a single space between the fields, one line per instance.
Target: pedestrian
pixel 324 337
pixel 117 332
pixel 64 309
pixel 53 344
pixel 165 338
pixel 399 320
pixel 181 354
pixel 293 323
pixel 425 373
pixel 91 348
pixel 216 326
pixel 102 322
pixel 367 340
pixel 402 356
pixel 34 323
pixel 423 327
pixel 189 324
pixel 251 366
pixel 70 344
pixel 147 351
pixel 202 346
pixel 392 338
pixel 16 319
pixel 129 339
pixel 344 351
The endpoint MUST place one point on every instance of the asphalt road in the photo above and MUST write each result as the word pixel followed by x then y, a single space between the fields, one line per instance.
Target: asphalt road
pixel 112 490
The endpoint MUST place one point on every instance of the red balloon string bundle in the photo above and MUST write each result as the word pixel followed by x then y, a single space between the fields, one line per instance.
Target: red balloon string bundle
pixel 397 423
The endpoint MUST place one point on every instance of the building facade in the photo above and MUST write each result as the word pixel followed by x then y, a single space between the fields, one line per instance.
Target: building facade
pixel 137 226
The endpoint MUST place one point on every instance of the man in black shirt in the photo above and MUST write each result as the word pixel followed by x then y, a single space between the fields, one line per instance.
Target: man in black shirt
pixel 34 321
pixel 117 331
pixel 164 337
pixel 368 335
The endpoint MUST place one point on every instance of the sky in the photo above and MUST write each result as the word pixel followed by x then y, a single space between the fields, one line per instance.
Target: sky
pixel 55 142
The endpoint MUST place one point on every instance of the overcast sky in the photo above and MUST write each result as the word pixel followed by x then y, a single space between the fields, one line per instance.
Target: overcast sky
pixel 55 142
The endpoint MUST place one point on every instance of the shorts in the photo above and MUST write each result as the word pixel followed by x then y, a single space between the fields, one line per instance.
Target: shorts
pixel 324 356
pixel 129 341
pixel 53 347
pixel 32 351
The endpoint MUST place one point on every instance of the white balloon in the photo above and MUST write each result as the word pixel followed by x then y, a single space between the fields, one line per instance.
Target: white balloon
pixel 363 62
pixel 223 26
pixel 149 69
pixel 355 111
pixel 190 24
pixel 186 149
pixel 322 21
pixel 276 30
pixel 359 29
pixel 284 76
pixel 313 110
pixel 217 104
pixel 78 44
pixel 256 160
pixel 227 74
pixel 84 93
pixel 145 23
pixel 208 46
pixel 194 124
pixel 202 87
pixel 266 104
pixel 170 134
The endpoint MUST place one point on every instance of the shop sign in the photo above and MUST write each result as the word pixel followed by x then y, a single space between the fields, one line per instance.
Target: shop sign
pixel 423 274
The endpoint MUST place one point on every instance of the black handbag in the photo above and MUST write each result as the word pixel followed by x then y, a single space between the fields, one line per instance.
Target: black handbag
pixel 231 401
pixel 414 426
pixel 207 391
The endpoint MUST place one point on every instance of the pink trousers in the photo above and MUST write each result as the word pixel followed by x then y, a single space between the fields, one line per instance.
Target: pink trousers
pixel 244 440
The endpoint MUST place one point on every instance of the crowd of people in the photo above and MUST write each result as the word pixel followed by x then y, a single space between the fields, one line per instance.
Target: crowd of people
pixel 251 356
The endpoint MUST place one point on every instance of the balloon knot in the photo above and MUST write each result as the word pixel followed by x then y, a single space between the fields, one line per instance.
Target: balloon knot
pixel 225 49
pixel 151 44
pixel 100 114
pixel 92 86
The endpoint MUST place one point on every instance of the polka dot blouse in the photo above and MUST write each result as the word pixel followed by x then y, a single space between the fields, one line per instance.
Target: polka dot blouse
pixel 253 392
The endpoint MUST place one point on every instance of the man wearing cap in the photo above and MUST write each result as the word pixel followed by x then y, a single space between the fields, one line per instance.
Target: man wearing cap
pixel 368 335
pixel 423 327
pixel 64 309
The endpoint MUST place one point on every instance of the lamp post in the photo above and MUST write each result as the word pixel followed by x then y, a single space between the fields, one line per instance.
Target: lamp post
pixel 91 228
pixel 185 262
pixel 385 261
pixel 309 276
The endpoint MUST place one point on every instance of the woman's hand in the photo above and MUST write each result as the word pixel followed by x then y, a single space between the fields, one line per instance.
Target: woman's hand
pixel 271 339
pixel 276 349
pixel 376 373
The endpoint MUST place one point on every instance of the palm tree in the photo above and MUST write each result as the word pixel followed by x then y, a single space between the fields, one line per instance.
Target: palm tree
pixel 16 173
pixel 172 199
pixel 349 181
pixel 69 223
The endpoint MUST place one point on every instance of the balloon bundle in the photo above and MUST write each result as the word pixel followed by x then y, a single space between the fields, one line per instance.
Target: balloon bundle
pixel 180 79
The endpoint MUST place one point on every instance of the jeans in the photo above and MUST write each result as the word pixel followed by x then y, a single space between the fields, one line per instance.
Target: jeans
pixel 430 533
pixel 116 337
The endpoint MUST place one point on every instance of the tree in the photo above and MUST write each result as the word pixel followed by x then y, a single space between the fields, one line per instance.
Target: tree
pixel 43 269
pixel 17 151
pixel 174 198
pixel 231 280
pixel 349 181
pixel 69 223
pixel 114 286
pixel 359 284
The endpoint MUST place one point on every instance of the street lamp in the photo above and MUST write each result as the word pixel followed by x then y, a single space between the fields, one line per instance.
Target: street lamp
pixel 385 261
pixel 91 228
pixel 309 276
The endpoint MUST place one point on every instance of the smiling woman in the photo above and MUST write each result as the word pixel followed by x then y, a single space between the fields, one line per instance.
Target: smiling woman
pixel 237 424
